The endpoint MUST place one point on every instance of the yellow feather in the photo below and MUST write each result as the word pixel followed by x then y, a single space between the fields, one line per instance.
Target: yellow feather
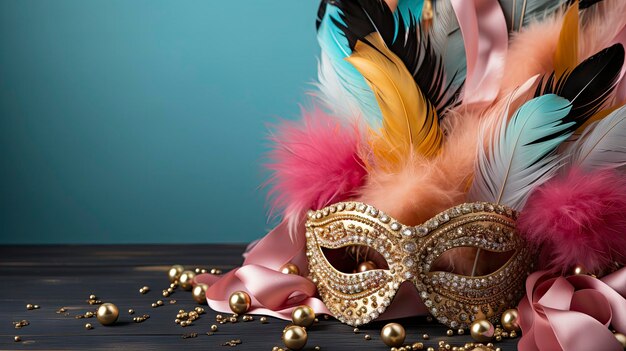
pixel 409 120
pixel 566 54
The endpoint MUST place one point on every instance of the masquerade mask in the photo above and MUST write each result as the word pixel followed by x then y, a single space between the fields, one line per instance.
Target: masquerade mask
pixel 410 254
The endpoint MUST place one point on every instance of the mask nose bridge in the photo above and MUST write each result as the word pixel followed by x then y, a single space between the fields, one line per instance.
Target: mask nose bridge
pixel 406 302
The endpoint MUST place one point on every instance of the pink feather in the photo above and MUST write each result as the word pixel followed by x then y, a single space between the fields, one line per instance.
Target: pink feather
pixel 314 162
pixel 578 219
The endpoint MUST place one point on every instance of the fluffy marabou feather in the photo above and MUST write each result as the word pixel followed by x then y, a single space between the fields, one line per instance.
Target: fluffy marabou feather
pixel 425 187
pixel 520 154
pixel 531 51
pixel 601 146
pixel 314 162
pixel 410 122
pixel 340 74
pixel 578 219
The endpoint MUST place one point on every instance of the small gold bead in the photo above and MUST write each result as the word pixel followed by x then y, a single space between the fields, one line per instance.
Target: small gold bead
pixel 17 338
pixel 159 302
pixel 131 311
pixel 317 348
pixel 460 331
pixel 186 280
pixel 513 334
pixel 449 332
pixel 30 306
pixel 367 337
pixel 498 338
pixel 166 293
pixel 214 328
pixel 290 268
pixel 88 314
pixel 430 349
pixel 174 273
pixel 177 321
pixel 263 319
pixel 36 307
pixel 92 297
pixel 88 326
pixel 425 337
pixel 154 305
pixel 233 319
pixel 417 346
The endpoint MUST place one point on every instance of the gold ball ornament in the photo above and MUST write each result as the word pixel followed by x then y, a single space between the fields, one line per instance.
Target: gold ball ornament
pixel 393 335
pixel 107 314
pixel 482 330
pixel 366 266
pixel 510 320
pixel 294 337
pixel 621 338
pixel 239 302
pixel 199 293
pixel 174 273
pixel 186 280
pixel 303 316
pixel 290 268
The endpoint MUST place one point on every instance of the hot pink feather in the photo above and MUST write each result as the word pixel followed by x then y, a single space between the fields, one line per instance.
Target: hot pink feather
pixel 314 162
pixel 578 219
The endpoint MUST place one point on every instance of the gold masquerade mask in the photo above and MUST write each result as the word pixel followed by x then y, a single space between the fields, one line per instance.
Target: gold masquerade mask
pixel 410 254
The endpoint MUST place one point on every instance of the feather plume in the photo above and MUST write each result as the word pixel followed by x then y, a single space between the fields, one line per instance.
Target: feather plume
pixel 339 74
pixel 515 161
pixel 409 121
pixel 403 37
pixel 519 13
pixel 601 146
pixel 447 42
pixel 589 85
pixel 578 219
pixel 566 54
pixel 409 9
pixel 314 162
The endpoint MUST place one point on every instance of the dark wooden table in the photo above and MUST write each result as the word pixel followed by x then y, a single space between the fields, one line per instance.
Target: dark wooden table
pixel 65 275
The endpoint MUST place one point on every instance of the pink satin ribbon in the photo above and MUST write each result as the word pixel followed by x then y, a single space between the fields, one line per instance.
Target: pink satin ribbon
pixel 572 313
pixel 276 294
pixel 485 37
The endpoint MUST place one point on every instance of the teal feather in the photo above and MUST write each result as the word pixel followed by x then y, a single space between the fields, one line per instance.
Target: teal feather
pixel 336 48
pixel 520 154
pixel 410 8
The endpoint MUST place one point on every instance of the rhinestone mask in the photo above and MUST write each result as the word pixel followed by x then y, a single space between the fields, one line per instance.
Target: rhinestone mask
pixel 410 251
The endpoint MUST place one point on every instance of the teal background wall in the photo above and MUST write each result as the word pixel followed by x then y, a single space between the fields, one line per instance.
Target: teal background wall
pixel 144 121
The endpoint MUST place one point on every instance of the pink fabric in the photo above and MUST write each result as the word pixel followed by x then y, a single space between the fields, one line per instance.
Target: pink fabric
pixel 486 42
pixel 276 294
pixel 572 313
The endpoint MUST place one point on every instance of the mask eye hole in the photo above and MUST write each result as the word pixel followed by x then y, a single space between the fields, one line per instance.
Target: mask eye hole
pixel 460 260
pixel 354 258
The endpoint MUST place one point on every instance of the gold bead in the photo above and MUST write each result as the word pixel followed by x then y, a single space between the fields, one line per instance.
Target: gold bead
pixel 17 338
pixel 30 306
pixel 393 334
pixel 295 337
pixel 92 297
pixel 214 328
pixel 199 293
pixel 482 330
pixel 107 314
pixel 417 346
pixel 510 320
pixel 290 268
pixel 366 266
pixel 621 338
pixel 303 316
pixel 88 326
pixel 461 331
pixel 367 337
pixel 263 320
pixel 131 311
pixel 36 307
pixel 449 332
pixel 239 302
pixel 186 280
pixel 425 337
pixel 174 273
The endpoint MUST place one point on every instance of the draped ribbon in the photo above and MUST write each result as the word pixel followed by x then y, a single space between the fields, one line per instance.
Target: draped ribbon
pixel 573 313
pixel 276 294
pixel 486 43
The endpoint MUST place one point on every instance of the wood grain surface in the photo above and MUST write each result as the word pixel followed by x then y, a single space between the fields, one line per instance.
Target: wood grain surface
pixel 65 275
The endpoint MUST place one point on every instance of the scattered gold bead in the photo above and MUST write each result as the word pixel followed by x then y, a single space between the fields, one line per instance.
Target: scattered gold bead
pixel 295 337
pixel 449 332
pixel 356 330
pixel 367 337
pixel 199 309
pixel 461 331
pixel 186 280
pixel 214 328
pixel 290 268
pixel 263 319
pixel 303 316
pixel 498 338
pixel 425 337
pixel 482 330
pixel 92 297
pixel 36 307
pixel 199 293
pixel 145 289
pixel 510 320
pixel 154 305
pixel 88 314
pixel 88 326
pixel 393 334
pixel 621 338
pixel 159 303
pixel 131 311
pixel 430 349
pixel 505 334
pixel 107 314
pixel 174 273
pixel 317 348
pixel 417 346
pixel 30 307
pixel 233 319
pixel 239 302
pixel 17 338
pixel 366 266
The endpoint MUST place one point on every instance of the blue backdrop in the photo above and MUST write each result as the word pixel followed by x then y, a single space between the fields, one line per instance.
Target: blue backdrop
pixel 144 121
